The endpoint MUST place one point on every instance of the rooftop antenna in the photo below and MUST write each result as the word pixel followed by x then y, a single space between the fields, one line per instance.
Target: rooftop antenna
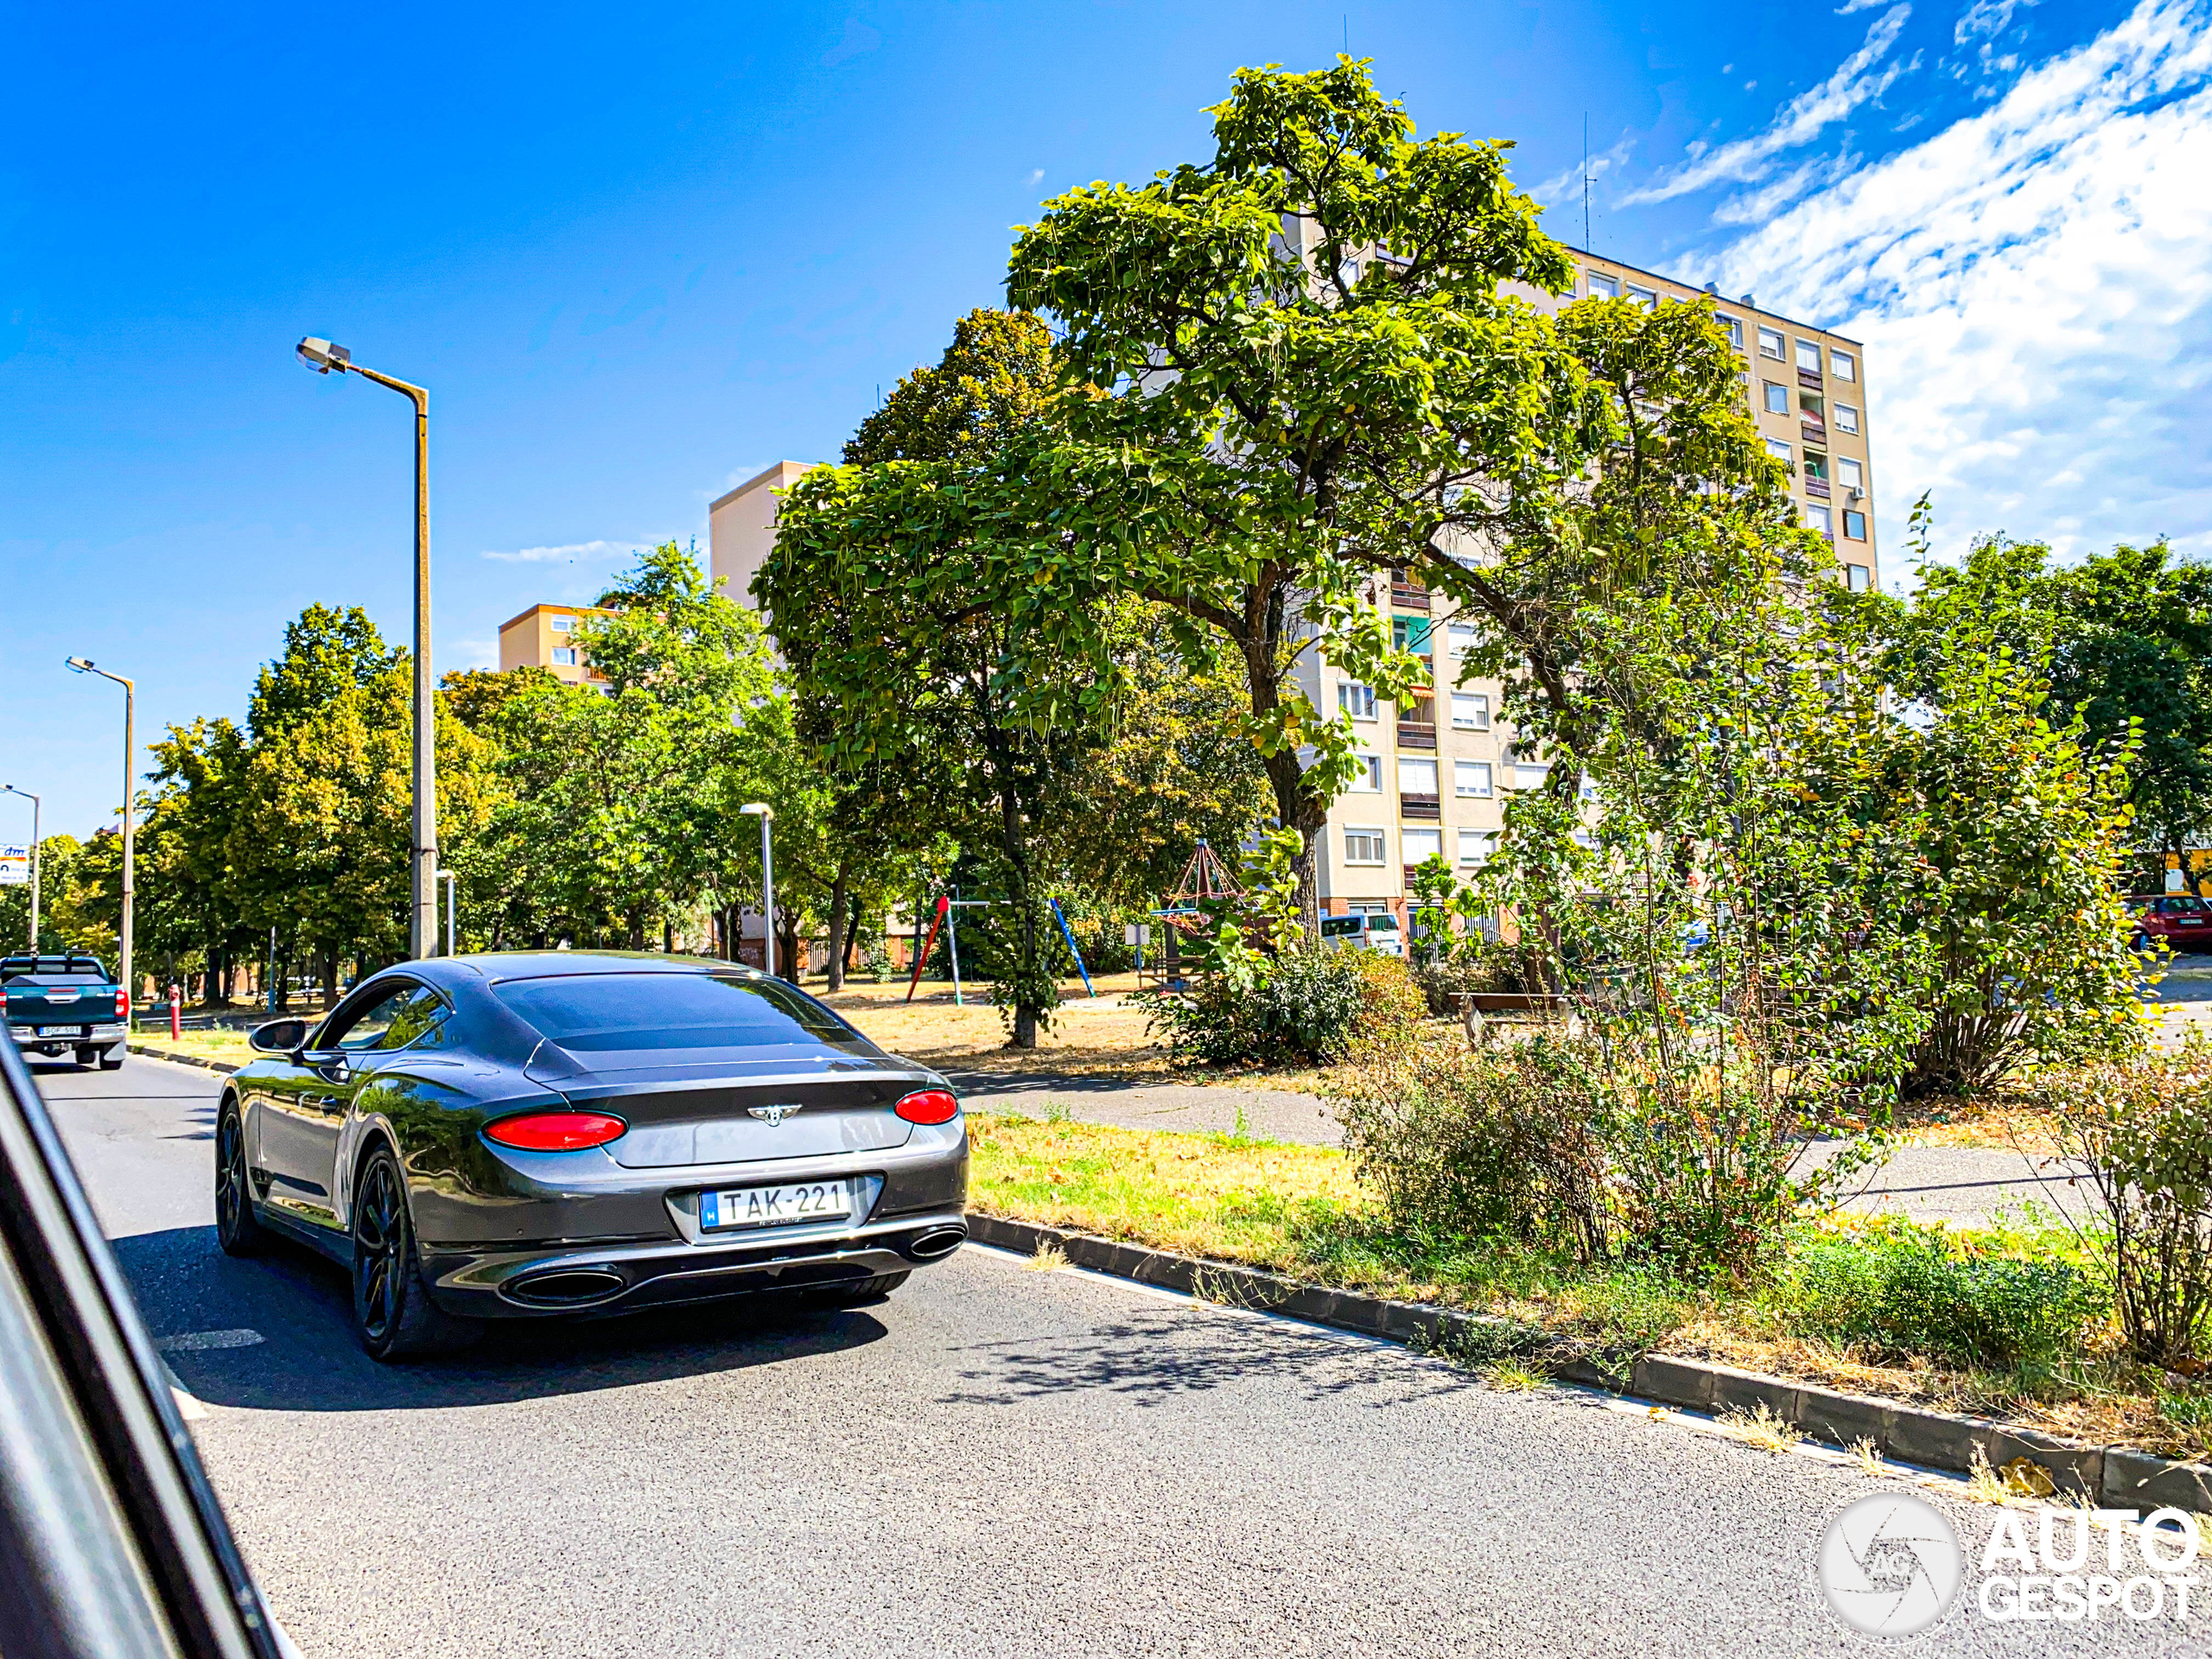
pixel 1586 183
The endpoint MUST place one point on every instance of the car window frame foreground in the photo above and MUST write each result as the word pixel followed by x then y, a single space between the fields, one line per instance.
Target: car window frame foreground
pixel 112 1544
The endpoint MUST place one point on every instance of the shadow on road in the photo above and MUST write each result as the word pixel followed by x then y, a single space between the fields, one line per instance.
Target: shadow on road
pixel 1156 1359
pixel 309 1360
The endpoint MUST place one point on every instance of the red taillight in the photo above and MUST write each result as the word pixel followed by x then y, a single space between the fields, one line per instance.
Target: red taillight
pixel 928 1106
pixel 555 1131
pixel 122 1003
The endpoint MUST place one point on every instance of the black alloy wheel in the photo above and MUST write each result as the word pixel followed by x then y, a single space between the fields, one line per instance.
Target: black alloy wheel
pixel 392 1309
pixel 237 1229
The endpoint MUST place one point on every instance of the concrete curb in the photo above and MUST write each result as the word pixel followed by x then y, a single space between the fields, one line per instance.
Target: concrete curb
pixel 176 1058
pixel 2116 1476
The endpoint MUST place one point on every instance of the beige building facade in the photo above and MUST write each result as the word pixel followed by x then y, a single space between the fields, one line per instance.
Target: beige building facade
pixel 544 637
pixel 1438 769
pixel 741 526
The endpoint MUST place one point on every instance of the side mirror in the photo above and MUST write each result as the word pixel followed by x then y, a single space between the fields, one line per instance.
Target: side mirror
pixel 280 1036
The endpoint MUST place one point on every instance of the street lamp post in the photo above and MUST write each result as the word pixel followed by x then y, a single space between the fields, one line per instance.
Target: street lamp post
pixel 86 665
pixel 9 789
pixel 422 858
pixel 761 811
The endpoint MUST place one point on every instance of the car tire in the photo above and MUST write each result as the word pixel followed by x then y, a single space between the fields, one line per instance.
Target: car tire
pixel 85 1058
pixel 866 1293
pixel 238 1229
pixel 112 1057
pixel 393 1313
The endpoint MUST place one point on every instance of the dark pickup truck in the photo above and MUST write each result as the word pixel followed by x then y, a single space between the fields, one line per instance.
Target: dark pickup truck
pixel 63 1003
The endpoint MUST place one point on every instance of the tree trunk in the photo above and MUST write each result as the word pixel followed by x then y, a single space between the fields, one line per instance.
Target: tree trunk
pixel 636 939
pixel 852 934
pixel 667 937
pixel 838 903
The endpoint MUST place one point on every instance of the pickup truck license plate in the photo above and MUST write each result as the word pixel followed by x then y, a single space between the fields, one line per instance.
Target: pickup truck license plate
pixel 742 1208
pixel 58 1031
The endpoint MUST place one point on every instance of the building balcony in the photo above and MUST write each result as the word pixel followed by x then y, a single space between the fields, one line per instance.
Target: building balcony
pixel 1409 595
pixel 1809 379
pixel 1817 488
pixel 1416 733
pixel 1815 432
pixel 1420 806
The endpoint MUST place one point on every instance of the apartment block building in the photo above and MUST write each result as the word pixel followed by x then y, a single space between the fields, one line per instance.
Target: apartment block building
pixel 544 637
pixel 741 526
pixel 1438 769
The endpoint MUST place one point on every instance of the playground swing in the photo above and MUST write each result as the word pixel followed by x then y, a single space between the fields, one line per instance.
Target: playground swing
pixel 945 917
pixel 1205 878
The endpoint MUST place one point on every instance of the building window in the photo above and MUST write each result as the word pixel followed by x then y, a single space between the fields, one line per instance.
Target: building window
pixel 1808 356
pixel 1421 845
pixel 1527 776
pixel 1777 397
pixel 1847 418
pixel 1844 368
pixel 1367 780
pixel 1643 297
pixel 1855 525
pixel 1857 577
pixel 1460 636
pixel 1603 286
pixel 1820 518
pixel 1475 845
pixel 1735 327
pixel 1778 449
pixel 1770 343
pixel 1364 846
pixel 1411 633
pixel 1416 776
pixel 1470 711
pixel 1355 700
pixel 560 623
pixel 1470 778
pixel 1848 474
pixel 564 655
pixel 1816 465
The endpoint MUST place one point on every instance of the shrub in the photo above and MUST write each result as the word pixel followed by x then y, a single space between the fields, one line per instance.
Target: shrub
pixel 1299 1005
pixel 1391 1002
pixel 1506 1144
pixel 2145 1130
pixel 1905 1289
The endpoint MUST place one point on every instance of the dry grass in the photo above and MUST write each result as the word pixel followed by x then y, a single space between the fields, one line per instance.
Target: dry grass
pixel 1984 1484
pixel 1760 1426
pixel 1050 1258
pixel 1869 1456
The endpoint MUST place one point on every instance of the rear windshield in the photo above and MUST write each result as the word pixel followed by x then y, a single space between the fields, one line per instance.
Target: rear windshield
pixel 1338 927
pixel 59 979
pixel 2184 906
pixel 597 1012
pixel 1382 924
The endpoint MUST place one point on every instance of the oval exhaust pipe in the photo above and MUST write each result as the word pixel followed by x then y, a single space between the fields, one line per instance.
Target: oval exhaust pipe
pixel 565 1287
pixel 939 1241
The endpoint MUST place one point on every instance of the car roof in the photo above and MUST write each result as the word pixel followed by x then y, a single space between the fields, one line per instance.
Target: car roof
pixel 492 966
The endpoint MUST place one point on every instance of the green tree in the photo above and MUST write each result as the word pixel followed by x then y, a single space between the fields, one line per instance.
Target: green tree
pixel 1312 375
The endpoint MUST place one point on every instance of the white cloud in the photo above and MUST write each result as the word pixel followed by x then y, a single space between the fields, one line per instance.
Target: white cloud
pixel 1985 19
pixel 1748 161
pixel 569 554
pixel 2034 286
pixel 469 653
pixel 1567 183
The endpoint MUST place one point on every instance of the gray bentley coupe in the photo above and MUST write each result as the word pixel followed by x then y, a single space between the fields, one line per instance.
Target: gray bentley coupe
pixel 568 1132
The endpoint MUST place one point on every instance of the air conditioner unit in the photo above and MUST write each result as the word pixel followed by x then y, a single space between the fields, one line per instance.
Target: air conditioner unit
pixel 1858 494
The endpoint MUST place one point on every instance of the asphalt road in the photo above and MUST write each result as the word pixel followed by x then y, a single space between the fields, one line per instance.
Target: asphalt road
pixel 998 1461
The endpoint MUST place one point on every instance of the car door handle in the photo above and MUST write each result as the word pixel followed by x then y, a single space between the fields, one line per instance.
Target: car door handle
pixel 318 1101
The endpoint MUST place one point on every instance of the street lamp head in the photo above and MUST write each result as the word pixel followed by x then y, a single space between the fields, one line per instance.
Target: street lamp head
pixel 82 664
pixel 757 809
pixel 321 356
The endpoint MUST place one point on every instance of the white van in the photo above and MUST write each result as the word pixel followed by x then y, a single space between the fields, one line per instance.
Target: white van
pixel 1375 932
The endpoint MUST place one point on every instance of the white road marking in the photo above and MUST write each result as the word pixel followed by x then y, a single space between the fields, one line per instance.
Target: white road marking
pixel 197 1342
pixel 187 1406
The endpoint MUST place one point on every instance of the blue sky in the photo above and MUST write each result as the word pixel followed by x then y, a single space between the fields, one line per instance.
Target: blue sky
pixel 638 256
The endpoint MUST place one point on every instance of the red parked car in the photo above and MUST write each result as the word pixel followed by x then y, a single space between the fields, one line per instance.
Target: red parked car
pixel 2181 919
